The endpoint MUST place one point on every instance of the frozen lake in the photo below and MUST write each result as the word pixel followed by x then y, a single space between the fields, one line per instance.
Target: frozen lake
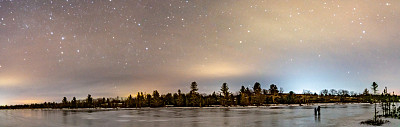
pixel 331 115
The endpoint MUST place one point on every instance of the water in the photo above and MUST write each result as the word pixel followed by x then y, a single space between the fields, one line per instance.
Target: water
pixel 331 115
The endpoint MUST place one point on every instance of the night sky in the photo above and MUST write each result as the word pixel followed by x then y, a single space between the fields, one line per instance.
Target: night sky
pixel 51 49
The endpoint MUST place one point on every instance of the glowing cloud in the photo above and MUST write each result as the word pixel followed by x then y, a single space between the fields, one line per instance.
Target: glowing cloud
pixel 219 70
pixel 7 81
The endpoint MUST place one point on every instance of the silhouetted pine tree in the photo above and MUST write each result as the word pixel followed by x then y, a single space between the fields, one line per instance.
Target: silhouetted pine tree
pixel 375 89
pixel 258 97
pixel 64 103
pixel 89 101
pixel 156 100
pixel 193 95
pixel 129 102
pixel 225 92
pixel 179 99
pixel 73 103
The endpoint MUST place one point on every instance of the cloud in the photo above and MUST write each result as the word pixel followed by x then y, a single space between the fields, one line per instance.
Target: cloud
pixel 218 69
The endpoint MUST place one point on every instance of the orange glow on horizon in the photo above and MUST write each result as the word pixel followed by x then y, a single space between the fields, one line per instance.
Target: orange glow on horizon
pixel 28 101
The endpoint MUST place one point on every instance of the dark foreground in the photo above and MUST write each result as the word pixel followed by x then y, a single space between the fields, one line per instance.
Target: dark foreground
pixel 331 115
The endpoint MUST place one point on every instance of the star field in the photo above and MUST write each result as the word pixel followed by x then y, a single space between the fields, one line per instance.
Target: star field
pixel 55 48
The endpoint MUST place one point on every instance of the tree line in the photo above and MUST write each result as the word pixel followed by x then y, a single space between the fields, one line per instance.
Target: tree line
pixel 255 96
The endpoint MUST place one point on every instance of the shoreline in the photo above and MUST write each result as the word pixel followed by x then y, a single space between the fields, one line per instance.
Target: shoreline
pixel 273 106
